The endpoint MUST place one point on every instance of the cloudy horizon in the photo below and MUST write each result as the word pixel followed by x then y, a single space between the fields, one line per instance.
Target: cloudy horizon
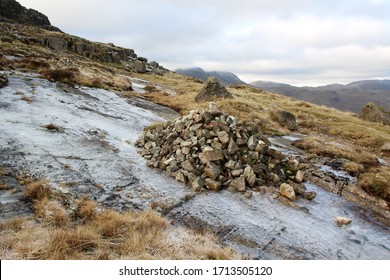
pixel 298 42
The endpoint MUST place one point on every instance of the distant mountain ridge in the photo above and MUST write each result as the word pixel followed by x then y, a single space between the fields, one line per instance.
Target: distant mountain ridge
pixel 351 97
pixel 226 78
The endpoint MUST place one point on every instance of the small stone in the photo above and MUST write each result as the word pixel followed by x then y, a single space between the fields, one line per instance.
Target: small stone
pixel 299 177
pixel 211 155
pixel 186 144
pixel 275 178
pixel 180 177
pixel 212 184
pixel 238 184
pixel 309 195
pixel 179 126
pixel 212 171
pixel 250 176
pixel 236 173
pixel 223 136
pixel 253 155
pixel 248 195
pixel 180 156
pixel 186 150
pixel 186 165
pixel 299 188
pixel 198 118
pixel 275 154
pixel 261 146
pixel 198 184
pixel 230 164
pixel 252 143
pixel 232 148
pixel 341 221
pixel 385 147
pixel 177 141
pixel 287 190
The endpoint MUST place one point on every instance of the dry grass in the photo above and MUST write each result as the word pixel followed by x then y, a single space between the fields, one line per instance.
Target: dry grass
pixel 27 99
pixel 321 147
pixel 92 232
pixel 377 182
pixel 353 168
pixel 36 190
pixel 51 127
pixel 65 75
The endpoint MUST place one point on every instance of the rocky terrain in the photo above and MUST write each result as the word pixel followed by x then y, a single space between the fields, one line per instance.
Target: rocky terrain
pixel 12 12
pixel 267 176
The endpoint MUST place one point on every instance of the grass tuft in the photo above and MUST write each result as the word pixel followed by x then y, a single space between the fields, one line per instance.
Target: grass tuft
pixel 37 190
pixel 65 75
pixel 377 182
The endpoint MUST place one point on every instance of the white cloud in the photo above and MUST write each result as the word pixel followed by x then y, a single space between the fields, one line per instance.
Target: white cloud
pixel 283 40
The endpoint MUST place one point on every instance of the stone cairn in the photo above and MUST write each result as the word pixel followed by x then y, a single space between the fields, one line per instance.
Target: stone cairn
pixel 207 149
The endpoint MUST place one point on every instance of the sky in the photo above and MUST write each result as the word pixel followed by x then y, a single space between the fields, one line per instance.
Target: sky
pixel 300 42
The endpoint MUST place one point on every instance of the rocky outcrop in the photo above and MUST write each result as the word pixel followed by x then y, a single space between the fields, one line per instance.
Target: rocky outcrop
pixel 374 113
pixel 96 51
pixel 212 90
pixel 285 119
pixel 3 80
pixel 64 43
pixel 139 66
pixel 208 150
pixel 12 12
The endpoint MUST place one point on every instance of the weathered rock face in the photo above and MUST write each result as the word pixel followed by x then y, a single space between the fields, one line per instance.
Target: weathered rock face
pixel 212 90
pixel 64 43
pixel 139 66
pixel 374 113
pixel 285 119
pixel 3 80
pixel 208 150
pixel 11 11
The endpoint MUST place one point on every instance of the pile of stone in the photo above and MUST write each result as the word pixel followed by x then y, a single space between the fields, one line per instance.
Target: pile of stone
pixel 209 150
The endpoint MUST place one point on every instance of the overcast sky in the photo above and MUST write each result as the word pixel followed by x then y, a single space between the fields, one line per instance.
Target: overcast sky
pixel 301 42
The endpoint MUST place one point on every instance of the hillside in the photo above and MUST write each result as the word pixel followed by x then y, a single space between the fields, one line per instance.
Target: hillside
pixel 226 78
pixel 105 155
pixel 12 12
pixel 351 97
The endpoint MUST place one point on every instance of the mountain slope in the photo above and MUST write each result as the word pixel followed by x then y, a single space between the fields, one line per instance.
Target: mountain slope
pixel 351 97
pixel 226 78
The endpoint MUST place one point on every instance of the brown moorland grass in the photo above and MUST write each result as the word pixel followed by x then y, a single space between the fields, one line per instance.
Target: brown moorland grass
pixel 377 182
pixel 90 231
